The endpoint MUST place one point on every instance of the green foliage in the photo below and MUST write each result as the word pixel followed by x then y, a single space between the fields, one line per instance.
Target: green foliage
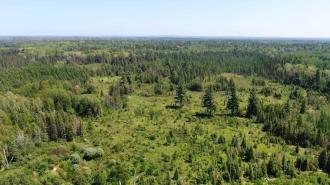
pixel 252 109
pixel 180 97
pixel 274 167
pixel 51 110
pixel 233 104
pixel 75 158
pixel 117 95
pixel 324 161
pixel 161 88
pixel 100 178
pixel 91 153
pixel 195 86
pixel 87 106
pixel 60 99
pixel 118 173
pixel 22 176
pixel 208 102
pixel 303 106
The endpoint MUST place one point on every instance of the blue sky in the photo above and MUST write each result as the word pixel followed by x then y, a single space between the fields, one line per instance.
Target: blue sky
pixel 263 18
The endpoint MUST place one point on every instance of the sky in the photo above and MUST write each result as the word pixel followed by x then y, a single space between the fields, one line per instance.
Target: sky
pixel 218 18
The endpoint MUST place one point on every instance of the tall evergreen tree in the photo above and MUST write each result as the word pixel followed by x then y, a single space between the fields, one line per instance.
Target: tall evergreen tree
pixel 52 128
pixel 233 104
pixel 317 79
pixel 323 160
pixel 208 102
pixel 287 107
pixel 252 108
pixel 180 97
pixel 303 106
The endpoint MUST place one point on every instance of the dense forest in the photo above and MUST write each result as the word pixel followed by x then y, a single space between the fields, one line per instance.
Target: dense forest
pixel 164 111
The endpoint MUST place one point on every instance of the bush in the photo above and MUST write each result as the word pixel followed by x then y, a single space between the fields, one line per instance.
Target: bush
pixel 75 158
pixel 91 153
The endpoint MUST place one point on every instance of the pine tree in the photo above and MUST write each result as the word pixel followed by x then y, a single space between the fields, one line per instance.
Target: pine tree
pixel 317 79
pixel 300 122
pixel 114 99
pixel 208 102
pixel 290 169
pixel 180 97
pixel 303 106
pixel 249 154
pixel 287 107
pixel 233 103
pixel 252 108
pixel 243 144
pixel 69 132
pixel 323 159
pixel 273 167
pixel 52 128
pixel 327 167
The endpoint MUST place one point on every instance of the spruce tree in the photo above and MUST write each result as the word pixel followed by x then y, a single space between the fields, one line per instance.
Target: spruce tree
pixel 69 132
pixel 180 97
pixel 323 160
pixel 208 102
pixel 303 106
pixel 233 104
pixel 252 108
pixel 52 127
pixel 249 154
pixel 287 107
pixel 317 79
pixel 327 167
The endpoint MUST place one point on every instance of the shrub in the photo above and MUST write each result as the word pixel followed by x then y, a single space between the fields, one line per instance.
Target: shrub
pixel 75 158
pixel 91 153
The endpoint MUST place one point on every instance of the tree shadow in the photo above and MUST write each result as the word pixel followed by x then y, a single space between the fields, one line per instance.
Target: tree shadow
pixel 202 115
pixel 205 115
pixel 172 107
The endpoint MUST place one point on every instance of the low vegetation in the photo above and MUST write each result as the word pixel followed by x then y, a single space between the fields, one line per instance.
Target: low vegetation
pixel 164 112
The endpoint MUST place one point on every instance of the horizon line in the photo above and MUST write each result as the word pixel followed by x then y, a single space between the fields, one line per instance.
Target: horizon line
pixel 170 37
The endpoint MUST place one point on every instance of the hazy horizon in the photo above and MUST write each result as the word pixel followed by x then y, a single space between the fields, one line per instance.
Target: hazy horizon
pixel 146 18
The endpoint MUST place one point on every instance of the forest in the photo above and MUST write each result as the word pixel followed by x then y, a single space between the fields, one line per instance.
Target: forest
pixel 164 111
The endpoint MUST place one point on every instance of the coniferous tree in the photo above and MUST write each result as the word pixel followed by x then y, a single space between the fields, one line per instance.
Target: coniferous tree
pixel 327 167
pixel 249 154
pixel 69 132
pixel 273 167
pixel 323 160
pixel 303 106
pixel 252 108
pixel 180 97
pixel 290 169
pixel 52 128
pixel 287 107
pixel 208 102
pixel 317 79
pixel 233 104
